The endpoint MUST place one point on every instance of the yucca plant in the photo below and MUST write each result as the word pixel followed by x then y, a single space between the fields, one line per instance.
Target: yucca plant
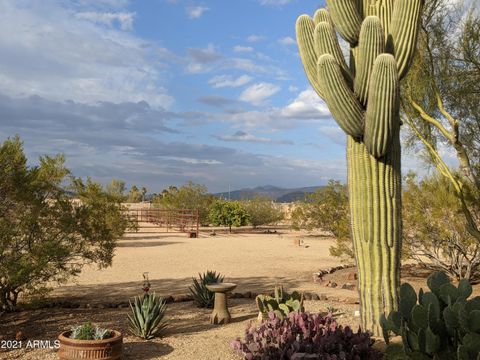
pixel 201 295
pixel 146 320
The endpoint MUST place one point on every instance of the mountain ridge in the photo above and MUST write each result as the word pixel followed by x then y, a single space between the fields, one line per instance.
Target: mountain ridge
pixel 276 193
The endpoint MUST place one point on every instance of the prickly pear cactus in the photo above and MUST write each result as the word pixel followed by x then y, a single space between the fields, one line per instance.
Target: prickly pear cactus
pixel 363 97
pixel 444 324
pixel 281 304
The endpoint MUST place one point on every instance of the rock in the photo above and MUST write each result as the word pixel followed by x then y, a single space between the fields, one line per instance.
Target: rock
pixel 19 336
pixel 331 284
pixel 348 286
pixel 323 297
pixel 315 297
pixel 237 296
pixel 247 295
pixel 182 298
pixel 307 296
pixel 169 299
pixel 100 306
pixel 352 276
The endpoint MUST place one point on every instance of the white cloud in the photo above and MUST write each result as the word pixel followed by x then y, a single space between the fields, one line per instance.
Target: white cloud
pixel 195 12
pixel 243 49
pixel 307 105
pixel 221 81
pixel 242 136
pixel 47 50
pixel 287 41
pixel 125 19
pixel 274 2
pixel 259 92
pixel 255 38
pixel 202 60
pixel 248 65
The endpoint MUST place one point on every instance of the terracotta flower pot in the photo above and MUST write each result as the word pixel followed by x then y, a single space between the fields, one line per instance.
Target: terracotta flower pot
pixel 107 349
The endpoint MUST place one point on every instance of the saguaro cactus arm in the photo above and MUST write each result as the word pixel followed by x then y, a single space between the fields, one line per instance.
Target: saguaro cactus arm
pixel 382 120
pixel 305 29
pixel 404 30
pixel 341 100
pixel 326 42
pixel 322 15
pixel 370 45
pixel 346 18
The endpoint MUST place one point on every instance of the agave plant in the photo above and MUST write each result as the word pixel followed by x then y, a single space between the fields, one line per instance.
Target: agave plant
pixel 146 320
pixel 202 296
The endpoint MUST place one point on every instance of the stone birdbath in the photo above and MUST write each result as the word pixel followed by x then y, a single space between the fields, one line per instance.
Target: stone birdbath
pixel 220 314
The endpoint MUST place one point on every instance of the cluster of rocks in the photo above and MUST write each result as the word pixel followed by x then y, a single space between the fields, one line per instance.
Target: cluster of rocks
pixel 318 276
pixel 66 304
pixel 351 277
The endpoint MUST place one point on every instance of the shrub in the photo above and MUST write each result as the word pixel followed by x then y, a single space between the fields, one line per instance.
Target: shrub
pixel 435 230
pixel 262 210
pixel 190 196
pixel 201 295
pixel 327 209
pixel 298 333
pixel 281 303
pixel 88 331
pixel 46 236
pixel 228 213
pixel 444 324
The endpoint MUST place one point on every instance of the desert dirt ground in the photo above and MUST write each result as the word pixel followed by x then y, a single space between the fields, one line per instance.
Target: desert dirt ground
pixel 254 260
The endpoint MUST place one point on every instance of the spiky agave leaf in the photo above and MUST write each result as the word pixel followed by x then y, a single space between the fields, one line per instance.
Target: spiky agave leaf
pixel 146 320
pixel 201 295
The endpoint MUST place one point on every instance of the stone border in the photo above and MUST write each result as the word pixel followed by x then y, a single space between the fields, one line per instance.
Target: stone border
pixel 318 276
pixel 65 304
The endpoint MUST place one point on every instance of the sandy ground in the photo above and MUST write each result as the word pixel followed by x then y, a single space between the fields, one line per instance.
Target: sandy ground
pixel 256 262
pixel 189 337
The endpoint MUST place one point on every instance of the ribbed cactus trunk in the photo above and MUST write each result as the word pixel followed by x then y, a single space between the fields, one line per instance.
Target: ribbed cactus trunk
pixel 363 97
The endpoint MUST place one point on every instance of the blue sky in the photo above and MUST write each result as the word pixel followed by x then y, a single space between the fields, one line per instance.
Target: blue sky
pixel 160 92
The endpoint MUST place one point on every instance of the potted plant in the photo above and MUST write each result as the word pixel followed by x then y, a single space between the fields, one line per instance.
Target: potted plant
pixel 89 341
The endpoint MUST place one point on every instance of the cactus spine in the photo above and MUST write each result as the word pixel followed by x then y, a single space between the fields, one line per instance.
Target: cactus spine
pixel 364 100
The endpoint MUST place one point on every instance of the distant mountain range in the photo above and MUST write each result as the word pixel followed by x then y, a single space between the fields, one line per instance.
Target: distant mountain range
pixel 277 194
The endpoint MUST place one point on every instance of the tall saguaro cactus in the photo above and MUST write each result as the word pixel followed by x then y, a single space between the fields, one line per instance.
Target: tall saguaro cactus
pixel 363 97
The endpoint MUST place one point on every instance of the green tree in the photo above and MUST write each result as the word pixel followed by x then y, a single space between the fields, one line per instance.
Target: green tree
pixel 327 209
pixel 190 196
pixel 434 233
pixel 262 210
pixel 117 188
pixel 45 234
pixel 134 195
pixel 143 193
pixel 228 213
pixel 440 98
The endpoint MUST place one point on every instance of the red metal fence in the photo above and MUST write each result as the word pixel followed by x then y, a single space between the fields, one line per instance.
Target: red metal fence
pixel 181 220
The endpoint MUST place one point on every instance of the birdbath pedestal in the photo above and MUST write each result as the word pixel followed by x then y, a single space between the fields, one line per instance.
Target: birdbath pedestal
pixel 220 314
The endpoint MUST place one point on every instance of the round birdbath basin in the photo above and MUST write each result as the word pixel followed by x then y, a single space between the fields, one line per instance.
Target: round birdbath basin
pixel 221 287
pixel 220 314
